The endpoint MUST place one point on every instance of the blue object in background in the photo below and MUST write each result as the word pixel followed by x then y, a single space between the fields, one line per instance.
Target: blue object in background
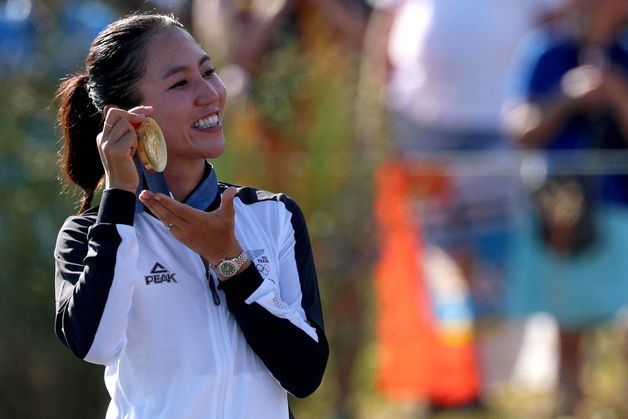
pixel 17 36
pixel 80 23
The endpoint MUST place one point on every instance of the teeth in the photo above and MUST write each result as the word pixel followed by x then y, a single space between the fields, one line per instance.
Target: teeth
pixel 207 122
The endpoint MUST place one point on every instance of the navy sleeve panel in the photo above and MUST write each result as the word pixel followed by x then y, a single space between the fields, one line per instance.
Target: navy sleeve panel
pixel 305 264
pixel 290 354
pixel 297 361
pixel 241 286
pixel 85 259
pixel 116 207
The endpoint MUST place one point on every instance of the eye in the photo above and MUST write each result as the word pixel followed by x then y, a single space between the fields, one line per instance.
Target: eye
pixel 180 83
pixel 209 72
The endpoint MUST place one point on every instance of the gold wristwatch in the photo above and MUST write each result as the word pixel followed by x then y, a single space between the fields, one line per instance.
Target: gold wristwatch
pixel 229 267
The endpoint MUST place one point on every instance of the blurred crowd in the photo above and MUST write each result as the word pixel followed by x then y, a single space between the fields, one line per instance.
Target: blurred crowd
pixel 462 164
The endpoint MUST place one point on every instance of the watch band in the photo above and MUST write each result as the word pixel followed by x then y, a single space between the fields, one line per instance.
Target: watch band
pixel 229 267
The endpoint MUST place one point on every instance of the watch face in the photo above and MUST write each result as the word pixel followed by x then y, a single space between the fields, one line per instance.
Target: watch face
pixel 228 268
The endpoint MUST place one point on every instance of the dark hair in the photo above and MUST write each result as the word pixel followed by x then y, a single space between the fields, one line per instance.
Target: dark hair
pixel 113 67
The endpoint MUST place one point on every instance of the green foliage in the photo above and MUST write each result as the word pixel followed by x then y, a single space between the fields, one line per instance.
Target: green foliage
pixel 276 88
pixel 39 375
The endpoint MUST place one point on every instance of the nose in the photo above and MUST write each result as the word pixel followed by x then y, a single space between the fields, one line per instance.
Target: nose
pixel 209 91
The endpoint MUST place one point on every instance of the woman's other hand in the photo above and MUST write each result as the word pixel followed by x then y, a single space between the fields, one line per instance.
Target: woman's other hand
pixel 117 144
pixel 210 234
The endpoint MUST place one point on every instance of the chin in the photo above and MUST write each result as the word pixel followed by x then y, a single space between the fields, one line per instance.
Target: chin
pixel 215 151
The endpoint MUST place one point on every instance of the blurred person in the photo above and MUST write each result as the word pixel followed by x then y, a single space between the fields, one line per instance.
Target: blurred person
pixel 180 8
pixel 247 33
pixel 273 56
pixel 446 62
pixel 199 297
pixel 292 66
pixel 569 93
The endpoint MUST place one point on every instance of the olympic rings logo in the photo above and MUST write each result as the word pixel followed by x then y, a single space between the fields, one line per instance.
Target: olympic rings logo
pixel 263 268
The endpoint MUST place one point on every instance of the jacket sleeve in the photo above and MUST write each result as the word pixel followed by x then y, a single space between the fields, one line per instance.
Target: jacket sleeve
pixel 283 323
pixel 95 262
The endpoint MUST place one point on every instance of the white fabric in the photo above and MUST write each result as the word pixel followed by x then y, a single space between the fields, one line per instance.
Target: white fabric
pixel 110 337
pixel 152 370
pixel 450 57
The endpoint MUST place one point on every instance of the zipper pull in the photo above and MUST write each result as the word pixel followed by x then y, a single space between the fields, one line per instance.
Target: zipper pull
pixel 212 287
pixel 210 280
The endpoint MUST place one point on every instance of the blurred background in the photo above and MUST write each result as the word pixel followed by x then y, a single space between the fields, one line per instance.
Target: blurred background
pixel 461 164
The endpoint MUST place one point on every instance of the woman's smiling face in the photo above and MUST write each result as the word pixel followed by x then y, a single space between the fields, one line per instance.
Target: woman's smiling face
pixel 187 96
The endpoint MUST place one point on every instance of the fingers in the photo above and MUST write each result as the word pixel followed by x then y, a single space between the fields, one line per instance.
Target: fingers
pixel 116 132
pixel 115 115
pixel 127 144
pixel 120 123
pixel 168 206
pixel 138 110
pixel 164 215
pixel 226 204
pixel 168 210
pixel 193 227
pixel 143 109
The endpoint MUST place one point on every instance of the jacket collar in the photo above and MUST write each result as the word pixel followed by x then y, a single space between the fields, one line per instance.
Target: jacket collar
pixel 205 195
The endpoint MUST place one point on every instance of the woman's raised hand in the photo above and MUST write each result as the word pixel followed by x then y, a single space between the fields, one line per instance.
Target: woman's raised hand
pixel 210 234
pixel 117 144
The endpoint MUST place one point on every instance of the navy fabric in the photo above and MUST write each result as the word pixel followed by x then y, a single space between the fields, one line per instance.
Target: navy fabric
pixel 201 198
pixel 546 58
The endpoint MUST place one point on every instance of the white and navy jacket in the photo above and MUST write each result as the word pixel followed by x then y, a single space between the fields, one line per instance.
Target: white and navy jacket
pixel 131 297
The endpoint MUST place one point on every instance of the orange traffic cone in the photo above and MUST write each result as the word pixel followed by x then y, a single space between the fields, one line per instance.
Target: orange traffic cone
pixel 420 357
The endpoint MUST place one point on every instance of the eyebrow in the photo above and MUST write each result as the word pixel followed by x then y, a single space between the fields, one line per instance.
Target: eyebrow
pixel 174 70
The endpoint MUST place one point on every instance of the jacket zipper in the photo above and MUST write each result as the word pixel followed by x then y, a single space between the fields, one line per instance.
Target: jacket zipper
pixel 226 361
pixel 212 284
pixel 221 349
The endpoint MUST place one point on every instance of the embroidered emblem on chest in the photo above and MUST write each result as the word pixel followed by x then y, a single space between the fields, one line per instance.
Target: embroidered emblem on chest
pixel 159 275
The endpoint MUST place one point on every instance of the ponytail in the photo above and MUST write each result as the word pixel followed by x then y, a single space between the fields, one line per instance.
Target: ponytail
pixel 114 66
pixel 81 122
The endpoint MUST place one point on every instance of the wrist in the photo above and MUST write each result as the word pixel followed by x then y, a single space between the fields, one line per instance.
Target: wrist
pixel 224 278
pixel 121 186
pixel 214 258
pixel 116 207
pixel 231 266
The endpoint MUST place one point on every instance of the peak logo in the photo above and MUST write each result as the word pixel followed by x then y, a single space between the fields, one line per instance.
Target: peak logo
pixel 159 275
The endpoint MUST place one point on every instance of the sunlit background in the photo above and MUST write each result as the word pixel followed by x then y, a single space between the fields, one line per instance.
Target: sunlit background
pixel 306 116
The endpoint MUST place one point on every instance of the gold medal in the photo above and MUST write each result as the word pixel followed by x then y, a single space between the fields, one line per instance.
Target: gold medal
pixel 151 146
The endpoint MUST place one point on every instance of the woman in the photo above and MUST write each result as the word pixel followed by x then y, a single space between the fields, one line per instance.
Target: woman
pixel 137 284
